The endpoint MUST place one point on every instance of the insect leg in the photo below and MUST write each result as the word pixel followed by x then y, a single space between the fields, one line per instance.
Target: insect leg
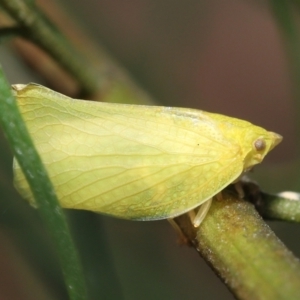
pixel 182 239
pixel 192 215
pixel 202 212
pixel 239 189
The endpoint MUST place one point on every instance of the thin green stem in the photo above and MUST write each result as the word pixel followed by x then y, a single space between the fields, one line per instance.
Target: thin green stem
pixel 44 34
pixel 10 32
pixel 283 207
pixel 36 175
pixel 274 207
pixel 98 78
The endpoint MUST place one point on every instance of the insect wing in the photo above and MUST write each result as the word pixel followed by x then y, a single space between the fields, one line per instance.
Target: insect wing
pixel 133 162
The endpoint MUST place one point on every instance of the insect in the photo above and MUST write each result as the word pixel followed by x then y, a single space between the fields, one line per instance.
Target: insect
pixel 133 161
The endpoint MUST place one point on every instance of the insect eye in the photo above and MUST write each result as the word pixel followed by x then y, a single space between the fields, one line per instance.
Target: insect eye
pixel 260 144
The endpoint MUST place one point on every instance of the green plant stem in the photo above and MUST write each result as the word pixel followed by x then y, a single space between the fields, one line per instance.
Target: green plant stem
pixel 98 76
pixel 273 207
pixel 10 32
pixel 244 252
pixel 31 164
pixel 44 34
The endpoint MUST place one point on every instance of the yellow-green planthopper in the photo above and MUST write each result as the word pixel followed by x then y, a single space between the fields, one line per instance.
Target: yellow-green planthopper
pixel 132 161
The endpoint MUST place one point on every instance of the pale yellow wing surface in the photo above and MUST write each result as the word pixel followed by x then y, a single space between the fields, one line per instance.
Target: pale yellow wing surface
pixel 130 161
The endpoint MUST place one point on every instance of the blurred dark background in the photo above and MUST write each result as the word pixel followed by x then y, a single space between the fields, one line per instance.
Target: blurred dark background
pixel 226 57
